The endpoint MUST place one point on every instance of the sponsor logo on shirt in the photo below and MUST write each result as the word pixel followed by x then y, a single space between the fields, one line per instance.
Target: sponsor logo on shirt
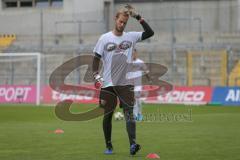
pixel 123 46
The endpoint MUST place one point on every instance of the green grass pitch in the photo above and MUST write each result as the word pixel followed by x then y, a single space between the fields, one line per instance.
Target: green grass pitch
pixel 178 133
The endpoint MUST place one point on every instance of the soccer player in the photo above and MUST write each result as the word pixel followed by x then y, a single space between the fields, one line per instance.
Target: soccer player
pixel 141 69
pixel 115 49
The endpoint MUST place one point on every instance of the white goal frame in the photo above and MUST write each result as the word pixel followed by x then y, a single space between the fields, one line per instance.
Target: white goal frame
pixel 38 74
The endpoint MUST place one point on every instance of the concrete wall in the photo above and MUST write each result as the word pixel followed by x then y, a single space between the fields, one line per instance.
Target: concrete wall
pixel 238 16
pixel 215 16
pixel 75 18
pixel 72 6
pixel 16 20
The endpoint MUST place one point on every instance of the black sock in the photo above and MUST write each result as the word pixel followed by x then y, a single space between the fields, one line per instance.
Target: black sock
pixel 107 129
pixel 130 125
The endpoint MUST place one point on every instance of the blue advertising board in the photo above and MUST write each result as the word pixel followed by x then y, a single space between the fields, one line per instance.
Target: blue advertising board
pixel 226 96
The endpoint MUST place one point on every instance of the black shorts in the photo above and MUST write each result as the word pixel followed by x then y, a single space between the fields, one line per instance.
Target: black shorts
pixel 109 97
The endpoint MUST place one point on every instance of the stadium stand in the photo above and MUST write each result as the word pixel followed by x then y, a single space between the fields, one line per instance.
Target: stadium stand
pixel 59 36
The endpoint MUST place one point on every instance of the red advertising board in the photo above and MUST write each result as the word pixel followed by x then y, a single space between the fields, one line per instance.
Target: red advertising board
pixel 183 95
pixel 17 94
pixel 179 95
pixel 83 96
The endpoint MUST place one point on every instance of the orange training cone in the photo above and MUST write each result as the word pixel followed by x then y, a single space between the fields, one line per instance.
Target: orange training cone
pixel 153 156
pixel 58 131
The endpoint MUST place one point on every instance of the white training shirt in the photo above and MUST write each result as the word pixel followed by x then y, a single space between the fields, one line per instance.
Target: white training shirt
pixel 116 53
pixel 137 74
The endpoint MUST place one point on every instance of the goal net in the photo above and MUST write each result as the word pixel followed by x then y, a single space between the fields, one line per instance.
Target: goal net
pixel 20 78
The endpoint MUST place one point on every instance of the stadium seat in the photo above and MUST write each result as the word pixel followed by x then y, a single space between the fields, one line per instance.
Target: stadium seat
pixel 234 77
pixel 6 40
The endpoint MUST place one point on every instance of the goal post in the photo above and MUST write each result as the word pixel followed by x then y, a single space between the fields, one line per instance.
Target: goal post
pixel 22 62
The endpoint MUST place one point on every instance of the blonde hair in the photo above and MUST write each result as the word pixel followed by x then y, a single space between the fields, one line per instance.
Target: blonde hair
pixel 122 11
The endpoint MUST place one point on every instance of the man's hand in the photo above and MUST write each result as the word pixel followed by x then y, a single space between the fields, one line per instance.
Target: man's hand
pixel 132 12
pixel 98 81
